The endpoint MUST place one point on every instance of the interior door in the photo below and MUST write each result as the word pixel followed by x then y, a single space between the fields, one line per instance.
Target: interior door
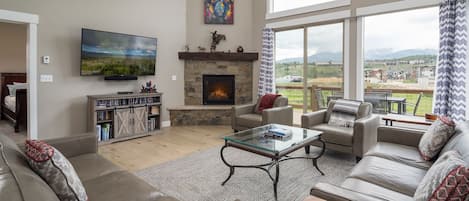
pixel 140 120
pixel 123 123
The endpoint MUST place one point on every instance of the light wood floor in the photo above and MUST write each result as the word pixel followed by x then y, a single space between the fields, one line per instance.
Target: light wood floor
pixel 172 143
pixel 6 128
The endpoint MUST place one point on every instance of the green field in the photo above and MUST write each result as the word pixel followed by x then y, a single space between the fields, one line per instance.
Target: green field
pixel 295 97
pixel 117 65
pixel 399 73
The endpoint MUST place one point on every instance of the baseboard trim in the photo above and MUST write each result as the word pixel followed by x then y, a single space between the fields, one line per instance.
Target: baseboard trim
pixel 165 124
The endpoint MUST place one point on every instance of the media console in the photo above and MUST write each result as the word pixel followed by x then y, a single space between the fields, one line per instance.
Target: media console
pixel 118 117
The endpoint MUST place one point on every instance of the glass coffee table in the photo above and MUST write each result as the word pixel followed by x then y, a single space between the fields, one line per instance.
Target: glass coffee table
pixel 256 141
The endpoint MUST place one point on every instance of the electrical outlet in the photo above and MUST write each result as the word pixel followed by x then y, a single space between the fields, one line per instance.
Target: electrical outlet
pixel 174 78
pixel 46 78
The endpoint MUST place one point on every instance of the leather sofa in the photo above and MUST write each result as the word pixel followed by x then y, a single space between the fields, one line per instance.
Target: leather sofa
pixel 357 140
pixel 392 169
pixel 102 179
pixel 245 117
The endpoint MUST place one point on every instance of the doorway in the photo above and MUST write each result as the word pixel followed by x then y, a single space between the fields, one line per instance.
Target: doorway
pixel 30 21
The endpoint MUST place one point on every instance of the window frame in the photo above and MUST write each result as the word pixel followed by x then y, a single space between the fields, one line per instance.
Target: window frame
pixel 345 51
pixel 363 12
pixel 271 14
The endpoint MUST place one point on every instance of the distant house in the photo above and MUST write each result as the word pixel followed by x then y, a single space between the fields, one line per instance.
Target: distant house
pixel 414 62
pixel 391 63
pixel 425 71
pixel 375 76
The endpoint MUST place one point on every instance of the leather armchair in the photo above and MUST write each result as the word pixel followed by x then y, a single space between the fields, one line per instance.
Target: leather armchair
pixel 357 140
pixel 245 116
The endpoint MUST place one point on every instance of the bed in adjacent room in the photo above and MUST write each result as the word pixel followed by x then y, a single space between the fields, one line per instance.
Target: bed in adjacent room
pixel 14 99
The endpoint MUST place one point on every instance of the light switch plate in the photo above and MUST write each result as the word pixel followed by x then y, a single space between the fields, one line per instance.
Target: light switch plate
pixel 174 78
pixel 45 59
pixel 46 78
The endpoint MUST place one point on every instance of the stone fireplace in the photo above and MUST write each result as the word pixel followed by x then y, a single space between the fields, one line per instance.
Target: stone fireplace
pixel 213 83
pixel 218 89
pixel 194 72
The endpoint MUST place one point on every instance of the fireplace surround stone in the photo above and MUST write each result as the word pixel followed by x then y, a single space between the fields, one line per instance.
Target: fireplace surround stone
pixel 198 64
pixel 193 77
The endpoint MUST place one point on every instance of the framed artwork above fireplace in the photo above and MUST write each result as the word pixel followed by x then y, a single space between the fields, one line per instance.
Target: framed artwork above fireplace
pixel 218 11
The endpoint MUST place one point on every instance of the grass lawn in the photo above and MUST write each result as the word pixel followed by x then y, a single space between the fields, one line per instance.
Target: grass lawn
pixel 295 98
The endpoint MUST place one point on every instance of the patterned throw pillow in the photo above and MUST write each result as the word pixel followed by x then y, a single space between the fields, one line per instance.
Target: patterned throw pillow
pixel 436 137
pixel 56 170
pixel 447 179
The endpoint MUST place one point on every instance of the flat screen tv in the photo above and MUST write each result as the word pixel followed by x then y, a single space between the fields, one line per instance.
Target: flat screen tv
pixel 117 55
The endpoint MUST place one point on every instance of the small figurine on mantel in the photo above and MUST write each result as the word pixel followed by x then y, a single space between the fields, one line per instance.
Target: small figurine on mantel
pixel 201 49
pixel 216 38
pixel 148 88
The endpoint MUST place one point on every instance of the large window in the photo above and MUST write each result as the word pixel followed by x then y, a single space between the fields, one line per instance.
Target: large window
pixel 323 72
pixel 289 51
pixel 282 5
pixel 400 52
pixel 283 8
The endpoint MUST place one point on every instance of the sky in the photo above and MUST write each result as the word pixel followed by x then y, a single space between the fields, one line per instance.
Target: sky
pixel 416 29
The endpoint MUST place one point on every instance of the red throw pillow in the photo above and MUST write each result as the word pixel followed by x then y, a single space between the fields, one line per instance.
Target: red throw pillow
pixel 267 101
pixel 56 170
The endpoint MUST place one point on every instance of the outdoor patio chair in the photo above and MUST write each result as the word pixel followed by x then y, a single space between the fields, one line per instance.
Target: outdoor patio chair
pixel 414 105
pixel 320 99
pixel 378 100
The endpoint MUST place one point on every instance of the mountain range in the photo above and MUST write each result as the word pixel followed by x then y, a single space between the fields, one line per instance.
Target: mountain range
pixel 375 54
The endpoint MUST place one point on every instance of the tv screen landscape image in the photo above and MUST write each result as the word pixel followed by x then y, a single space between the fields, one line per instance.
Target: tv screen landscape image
pixel 111 54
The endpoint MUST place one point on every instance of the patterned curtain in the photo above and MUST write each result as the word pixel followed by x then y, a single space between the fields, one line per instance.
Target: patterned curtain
pixel 450 93
pixel 266 72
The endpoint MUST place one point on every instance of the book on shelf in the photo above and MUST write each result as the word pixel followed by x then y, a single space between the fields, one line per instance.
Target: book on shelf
pixel 154 110
pixel 98 132
pixel 104 115
pixel 125 102
pixel 104 132
pixel 152 124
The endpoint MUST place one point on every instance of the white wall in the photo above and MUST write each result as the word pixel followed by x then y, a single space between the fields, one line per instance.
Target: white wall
pixel 240 33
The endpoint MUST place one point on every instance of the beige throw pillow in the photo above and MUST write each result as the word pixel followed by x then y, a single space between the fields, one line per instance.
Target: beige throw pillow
pixel 436 137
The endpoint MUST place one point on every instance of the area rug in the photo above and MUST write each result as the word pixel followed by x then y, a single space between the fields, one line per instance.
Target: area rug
pixel 198 177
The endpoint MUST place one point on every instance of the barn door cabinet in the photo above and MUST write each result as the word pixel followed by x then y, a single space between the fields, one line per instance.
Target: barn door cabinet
pixel 122 117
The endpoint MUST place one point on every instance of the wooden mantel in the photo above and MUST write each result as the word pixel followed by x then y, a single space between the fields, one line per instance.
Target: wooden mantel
pixel 219 56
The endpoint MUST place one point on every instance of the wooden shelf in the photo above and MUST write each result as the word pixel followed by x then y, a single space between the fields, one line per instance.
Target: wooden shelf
pixel 104 121
pixel 219 56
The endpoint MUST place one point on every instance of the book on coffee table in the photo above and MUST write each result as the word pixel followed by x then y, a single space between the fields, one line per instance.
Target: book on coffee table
pixel 279 132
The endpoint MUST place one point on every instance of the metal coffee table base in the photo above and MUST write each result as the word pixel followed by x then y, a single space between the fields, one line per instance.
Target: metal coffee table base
pixel 266 167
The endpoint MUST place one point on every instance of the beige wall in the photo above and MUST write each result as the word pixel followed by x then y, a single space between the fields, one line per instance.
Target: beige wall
pixel 62 104
pixel 240 33
pixel 260 22
pixel 12 48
